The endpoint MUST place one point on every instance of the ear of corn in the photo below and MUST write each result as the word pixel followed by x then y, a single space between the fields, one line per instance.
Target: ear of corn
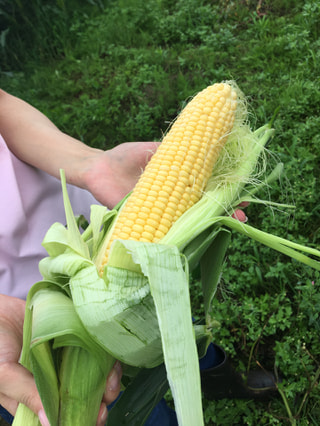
pixel 120 289
pixel 175 178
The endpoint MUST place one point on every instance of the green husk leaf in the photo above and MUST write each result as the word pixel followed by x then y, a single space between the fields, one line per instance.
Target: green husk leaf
pixel 211 266
pixel 199 245
pixel 62 266
pixel 282 245
pixel 289 248
pixel 135 404
pixel 43 369
pixel 168 279
pixel 98 216
pixel 54 317
pixel 82 378
pixel 119 314
pixel 100 220
pixel 56 240
pixel 74 236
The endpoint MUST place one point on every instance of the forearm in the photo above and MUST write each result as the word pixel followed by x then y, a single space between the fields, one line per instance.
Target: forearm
pixel 34 139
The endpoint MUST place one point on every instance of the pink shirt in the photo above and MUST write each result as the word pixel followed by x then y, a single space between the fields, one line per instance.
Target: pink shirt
pixel 31 201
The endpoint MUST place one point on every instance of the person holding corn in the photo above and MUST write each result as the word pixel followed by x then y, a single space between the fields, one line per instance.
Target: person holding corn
pixel 32 151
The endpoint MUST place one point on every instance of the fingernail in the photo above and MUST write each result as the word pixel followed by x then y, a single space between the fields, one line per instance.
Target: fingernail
pixel 113 380
pixel 240 215
pixel 43 418
pixel 104 414
pixel 244 204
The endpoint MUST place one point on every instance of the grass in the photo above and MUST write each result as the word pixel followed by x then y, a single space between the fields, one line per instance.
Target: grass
pixel 121 70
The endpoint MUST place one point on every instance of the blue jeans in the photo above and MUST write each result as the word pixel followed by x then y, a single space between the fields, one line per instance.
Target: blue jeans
pixel 162 415
pixel 5 415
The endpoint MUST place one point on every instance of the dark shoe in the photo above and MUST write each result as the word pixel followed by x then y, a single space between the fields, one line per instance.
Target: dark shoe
pixel 222 381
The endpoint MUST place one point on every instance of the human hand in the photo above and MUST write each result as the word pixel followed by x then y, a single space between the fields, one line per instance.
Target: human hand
pixel 110 175
pixel 17 383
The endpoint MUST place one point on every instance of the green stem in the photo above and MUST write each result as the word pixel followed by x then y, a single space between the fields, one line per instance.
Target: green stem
pixel 285 401
pixel 314 383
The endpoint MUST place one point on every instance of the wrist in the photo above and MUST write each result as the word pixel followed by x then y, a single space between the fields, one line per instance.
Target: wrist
pixel 85 167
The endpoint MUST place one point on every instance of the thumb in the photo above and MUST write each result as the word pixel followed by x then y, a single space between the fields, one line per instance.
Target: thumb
pixel 17 385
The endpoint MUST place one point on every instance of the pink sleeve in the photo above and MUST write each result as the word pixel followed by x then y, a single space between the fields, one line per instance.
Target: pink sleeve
pixel 31 201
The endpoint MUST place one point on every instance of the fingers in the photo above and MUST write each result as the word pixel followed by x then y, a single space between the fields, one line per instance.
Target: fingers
pixel 17 385
pixel 240 215
pixel 111 393
pixel 113 384
pixel 151 148
pixel 244 204
pixel 103 414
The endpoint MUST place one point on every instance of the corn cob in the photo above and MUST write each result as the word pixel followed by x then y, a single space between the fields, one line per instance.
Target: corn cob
pixel 178 172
